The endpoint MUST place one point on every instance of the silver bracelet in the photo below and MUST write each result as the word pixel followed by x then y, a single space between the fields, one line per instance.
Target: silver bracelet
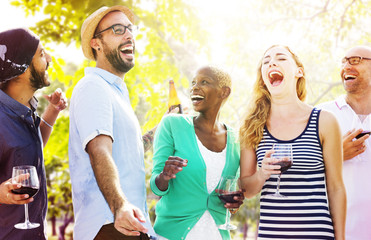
pixel 47 124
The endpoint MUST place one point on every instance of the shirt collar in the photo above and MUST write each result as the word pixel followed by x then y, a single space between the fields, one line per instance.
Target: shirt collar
pixel 18 108
pixel 107 76
pixel 341 102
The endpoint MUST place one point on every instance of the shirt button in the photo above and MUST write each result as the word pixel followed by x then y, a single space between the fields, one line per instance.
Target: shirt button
pixel 189 228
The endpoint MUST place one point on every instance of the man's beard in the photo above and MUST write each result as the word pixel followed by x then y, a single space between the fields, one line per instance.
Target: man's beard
pixel 38 79
pixel 113 56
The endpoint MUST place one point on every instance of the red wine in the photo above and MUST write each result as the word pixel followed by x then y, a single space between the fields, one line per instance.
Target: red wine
pixel 26 190
pixel 285 165
pixel 228 197
pixel 363 133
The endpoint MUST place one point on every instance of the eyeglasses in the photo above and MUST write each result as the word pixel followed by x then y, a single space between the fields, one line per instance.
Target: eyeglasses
pixel 353 60
pixel 119 29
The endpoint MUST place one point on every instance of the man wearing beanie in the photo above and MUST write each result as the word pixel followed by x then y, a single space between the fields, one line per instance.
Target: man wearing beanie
pixel 23 134
pixel 106 154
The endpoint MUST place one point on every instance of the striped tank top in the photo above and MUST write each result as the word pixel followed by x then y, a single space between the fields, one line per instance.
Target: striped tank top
pixel 304 213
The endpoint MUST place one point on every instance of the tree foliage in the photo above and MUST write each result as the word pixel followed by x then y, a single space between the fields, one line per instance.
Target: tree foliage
pixel 160 22
pixel 175 34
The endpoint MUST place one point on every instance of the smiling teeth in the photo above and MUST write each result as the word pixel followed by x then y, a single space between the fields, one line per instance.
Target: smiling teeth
pixel 197 97
pixel 127 48
pixel 349 76
pixel 274 72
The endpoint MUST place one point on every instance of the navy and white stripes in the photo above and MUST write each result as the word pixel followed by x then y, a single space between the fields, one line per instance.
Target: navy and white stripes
pixel 304 214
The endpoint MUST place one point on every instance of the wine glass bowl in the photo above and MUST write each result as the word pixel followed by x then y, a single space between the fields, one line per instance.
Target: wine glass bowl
pixel 284 156
pixel 227 189
pixel 27 177
pixel 228 197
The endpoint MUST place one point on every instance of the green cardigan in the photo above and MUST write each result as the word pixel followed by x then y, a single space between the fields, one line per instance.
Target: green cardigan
pixel 186 198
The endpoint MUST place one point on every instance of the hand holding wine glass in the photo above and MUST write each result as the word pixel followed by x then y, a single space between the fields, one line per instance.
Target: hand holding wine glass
pixel 228 190
pixel 284 158
pixel 26 176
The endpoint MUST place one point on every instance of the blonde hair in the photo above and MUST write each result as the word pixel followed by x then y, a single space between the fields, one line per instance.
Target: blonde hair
pixel 252 127
pixel 223 78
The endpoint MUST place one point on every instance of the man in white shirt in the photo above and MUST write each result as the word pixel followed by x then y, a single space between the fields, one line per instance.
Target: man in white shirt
pixel 106 154
pixel 353 111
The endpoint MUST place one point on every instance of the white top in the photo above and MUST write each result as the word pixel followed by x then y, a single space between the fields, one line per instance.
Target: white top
pixel 100 104
pixel 206 227
pixel 356 172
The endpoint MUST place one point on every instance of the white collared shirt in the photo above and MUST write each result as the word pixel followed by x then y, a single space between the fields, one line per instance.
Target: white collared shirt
pixel 100 104
pixel 356 172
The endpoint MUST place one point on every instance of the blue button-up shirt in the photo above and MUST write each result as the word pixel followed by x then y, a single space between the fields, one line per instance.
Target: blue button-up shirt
pixel 100 104
pixel 21 144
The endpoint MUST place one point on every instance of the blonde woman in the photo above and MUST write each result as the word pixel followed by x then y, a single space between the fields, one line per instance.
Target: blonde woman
pixel 315 202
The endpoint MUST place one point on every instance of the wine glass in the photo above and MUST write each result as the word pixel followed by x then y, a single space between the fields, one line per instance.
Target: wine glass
pixel 228 188
pixel 282 153
pixel 27 177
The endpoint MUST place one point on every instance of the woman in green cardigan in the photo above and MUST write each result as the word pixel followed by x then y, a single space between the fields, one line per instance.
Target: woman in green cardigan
pixel 191 153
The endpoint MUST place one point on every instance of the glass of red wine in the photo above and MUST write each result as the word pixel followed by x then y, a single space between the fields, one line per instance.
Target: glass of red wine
pixel 227 188
pixel 282 153
pixel 27 177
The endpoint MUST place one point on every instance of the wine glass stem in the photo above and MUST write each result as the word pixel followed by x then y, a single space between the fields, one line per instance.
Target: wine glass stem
pixel 26 214
pixel 227 217
pixel 278 184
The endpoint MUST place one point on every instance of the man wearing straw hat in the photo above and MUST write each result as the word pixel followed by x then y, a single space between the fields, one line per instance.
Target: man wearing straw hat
pixel 105 146
pixel 23 66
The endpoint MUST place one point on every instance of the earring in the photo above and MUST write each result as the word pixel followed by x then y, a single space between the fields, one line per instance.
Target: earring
pixel 98 49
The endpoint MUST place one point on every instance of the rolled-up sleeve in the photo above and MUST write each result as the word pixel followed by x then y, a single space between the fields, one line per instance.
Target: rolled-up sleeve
pixel 93 112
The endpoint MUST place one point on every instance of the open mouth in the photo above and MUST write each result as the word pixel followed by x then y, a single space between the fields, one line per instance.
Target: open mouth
pixel 197 99
pixel 348 77
pixel 127 50
pixel 275 77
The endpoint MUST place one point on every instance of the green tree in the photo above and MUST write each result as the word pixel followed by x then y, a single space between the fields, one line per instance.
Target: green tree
pixel 174 33
pixel 160 22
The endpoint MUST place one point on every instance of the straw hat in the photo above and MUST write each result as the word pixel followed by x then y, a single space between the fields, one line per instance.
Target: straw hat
pixel 90 25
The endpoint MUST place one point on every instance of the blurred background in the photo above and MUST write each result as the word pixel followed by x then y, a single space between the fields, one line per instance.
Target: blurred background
pixel 177 37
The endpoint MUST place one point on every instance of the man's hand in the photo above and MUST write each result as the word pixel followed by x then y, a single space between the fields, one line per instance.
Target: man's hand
pixel 8 197
pixel 57 99
pixel 352 148
pixel 127 220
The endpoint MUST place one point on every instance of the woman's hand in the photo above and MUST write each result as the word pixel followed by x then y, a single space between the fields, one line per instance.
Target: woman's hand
pixel 268 168
pixel 233 207
pixel 172 166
